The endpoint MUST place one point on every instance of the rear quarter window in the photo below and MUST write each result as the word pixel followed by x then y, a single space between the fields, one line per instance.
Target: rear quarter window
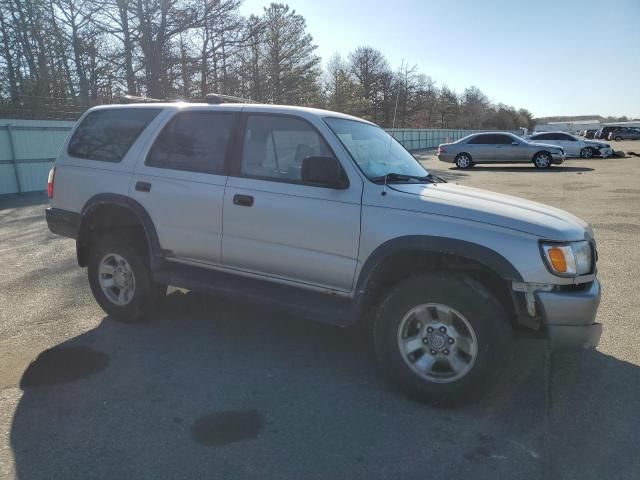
pixel 107 135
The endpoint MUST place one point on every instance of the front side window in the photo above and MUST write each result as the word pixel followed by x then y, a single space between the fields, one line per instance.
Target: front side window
pixel 107 135
pixel 375 151
pixel 193 141
pixel 504 140
pixel 274 147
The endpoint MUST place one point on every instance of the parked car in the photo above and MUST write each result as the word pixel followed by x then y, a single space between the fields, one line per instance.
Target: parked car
pixel 574 146
pixel 625 133
pixel 589 133
pixel 604 132
pixel 326 216
pixel 499 147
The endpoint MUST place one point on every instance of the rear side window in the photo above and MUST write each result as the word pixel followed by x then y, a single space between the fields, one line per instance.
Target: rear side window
pixel 490 139
pixel 193 141
pixel 480 140
pixel 544 136
pixel 107 135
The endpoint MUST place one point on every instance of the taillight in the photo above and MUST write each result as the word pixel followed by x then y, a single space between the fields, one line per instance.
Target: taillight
pixel 50 180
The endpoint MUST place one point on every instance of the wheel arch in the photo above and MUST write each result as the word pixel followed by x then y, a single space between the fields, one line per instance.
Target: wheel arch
pixel 402 257
pixel 119 211
pixel 533 157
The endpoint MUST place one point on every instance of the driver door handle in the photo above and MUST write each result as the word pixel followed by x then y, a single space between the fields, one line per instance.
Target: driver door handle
pixel 243 200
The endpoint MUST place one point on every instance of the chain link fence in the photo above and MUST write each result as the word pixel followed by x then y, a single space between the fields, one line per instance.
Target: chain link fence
pixel 425 138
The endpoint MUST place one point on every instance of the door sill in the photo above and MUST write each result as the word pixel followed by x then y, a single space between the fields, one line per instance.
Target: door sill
pixel 313 304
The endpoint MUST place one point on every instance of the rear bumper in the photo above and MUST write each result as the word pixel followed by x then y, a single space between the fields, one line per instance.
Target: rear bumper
pixel 570 317
pixel 63 222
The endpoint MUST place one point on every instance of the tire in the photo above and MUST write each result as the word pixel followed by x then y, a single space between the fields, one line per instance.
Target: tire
pixel 586 152
pixel 542 160
pixel 122 263
pixel 617 139
pixel 476 313
pixel 464 161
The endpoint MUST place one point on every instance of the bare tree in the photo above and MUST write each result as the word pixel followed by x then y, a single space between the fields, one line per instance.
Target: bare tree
pixel 291 65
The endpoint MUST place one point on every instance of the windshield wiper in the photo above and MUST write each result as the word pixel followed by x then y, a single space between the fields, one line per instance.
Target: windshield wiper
pixel 392 177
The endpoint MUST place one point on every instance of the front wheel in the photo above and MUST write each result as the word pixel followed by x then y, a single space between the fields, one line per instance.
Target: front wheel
pixel 617 139
pixel 441 339
pixel 464 161
pixel 120 279
pixel 586 152
pixel 542 160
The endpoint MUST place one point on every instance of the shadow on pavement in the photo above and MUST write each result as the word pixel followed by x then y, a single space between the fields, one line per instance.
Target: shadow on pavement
pixel 227 390
pixel 594 421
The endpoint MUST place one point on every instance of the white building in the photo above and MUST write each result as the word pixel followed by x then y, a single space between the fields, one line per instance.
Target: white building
pixel 623 124
pixel 570 127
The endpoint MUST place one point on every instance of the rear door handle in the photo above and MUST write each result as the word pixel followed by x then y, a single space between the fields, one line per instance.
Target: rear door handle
pixel 143 186
pixel 243 200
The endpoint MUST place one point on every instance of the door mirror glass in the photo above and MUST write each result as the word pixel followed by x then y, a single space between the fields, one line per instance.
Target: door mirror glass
pixel 322 171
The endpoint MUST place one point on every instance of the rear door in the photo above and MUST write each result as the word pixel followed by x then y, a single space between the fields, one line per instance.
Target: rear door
pixel 481 148
pixel 276 226
pixel 181 182
pixel 570 145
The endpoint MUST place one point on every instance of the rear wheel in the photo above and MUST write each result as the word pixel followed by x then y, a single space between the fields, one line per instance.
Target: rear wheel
pixel 617 139
pixel 464 160
pixel 440 339
pixel 586 152
pixel 120 279
pixel 542 160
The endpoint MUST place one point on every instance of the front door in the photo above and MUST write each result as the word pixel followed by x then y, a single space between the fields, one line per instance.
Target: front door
pixel 181 184
pixel 276 226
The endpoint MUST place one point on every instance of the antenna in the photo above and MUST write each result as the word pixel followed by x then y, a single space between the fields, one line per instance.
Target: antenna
pixel 395 110
pixel 393 124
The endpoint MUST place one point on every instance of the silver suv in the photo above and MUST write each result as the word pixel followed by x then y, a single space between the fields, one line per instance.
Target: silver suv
pixel 329 217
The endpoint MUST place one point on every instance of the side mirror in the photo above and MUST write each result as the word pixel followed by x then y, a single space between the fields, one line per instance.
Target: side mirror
pixel 322 171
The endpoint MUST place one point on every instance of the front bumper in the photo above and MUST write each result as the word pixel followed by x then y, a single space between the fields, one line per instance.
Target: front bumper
pixel 558 158
pixel 569 317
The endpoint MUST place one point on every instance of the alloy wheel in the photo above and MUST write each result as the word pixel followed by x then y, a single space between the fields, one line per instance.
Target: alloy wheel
pixel 437 342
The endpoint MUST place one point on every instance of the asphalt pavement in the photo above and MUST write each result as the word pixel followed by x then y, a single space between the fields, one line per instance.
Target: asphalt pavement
pixel 222 389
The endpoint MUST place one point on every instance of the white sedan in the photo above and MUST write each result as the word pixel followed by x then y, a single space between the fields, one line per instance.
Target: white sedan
pixel 573 145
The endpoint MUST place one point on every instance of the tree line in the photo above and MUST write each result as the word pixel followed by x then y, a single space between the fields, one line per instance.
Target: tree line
pixel 58 57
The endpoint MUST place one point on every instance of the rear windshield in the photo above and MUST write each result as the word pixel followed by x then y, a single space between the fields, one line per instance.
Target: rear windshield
pixel 107 135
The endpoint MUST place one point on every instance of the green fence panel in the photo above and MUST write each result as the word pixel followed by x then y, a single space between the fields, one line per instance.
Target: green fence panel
pixel 27 151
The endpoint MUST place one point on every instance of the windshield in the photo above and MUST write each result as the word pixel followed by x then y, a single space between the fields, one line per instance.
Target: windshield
pixel 375 151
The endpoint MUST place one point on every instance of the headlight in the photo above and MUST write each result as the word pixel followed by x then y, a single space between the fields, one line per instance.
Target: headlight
pixel 568 259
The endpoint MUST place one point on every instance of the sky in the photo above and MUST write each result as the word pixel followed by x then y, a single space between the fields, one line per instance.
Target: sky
pixel 562 57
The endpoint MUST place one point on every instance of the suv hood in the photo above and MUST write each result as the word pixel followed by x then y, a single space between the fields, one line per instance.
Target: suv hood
pixel 483 206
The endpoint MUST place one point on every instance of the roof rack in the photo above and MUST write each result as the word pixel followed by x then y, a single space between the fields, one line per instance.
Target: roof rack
pixel 210 98
pixel 136 99
pixel 217 99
